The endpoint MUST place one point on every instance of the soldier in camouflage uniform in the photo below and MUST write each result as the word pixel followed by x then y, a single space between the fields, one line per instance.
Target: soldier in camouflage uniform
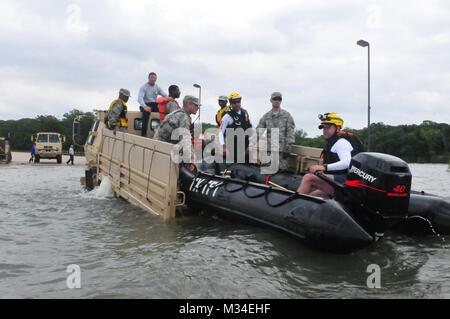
pixel 179 119
pixel 116 119
pixel 281 119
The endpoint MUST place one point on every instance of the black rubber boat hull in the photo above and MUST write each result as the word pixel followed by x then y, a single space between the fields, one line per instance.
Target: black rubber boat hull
pixel 321 223
pixel 427 214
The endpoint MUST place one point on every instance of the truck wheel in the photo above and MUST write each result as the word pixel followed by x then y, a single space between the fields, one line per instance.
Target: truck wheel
pixel 9 157
pixel 91 176
pixel 37 159
pixel 58 159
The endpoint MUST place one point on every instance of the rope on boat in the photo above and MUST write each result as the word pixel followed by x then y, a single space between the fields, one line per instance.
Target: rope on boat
pixel 244 185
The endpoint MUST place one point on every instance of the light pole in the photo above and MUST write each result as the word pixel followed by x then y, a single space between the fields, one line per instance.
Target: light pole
pixel 199 99
pixel 364 44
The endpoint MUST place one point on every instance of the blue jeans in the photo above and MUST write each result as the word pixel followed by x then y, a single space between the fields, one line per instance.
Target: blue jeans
pixel 341 178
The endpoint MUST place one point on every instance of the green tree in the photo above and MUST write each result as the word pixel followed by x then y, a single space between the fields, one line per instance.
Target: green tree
pixel 422 142
pixel 85 126
pixel 22 130
pixel 300 137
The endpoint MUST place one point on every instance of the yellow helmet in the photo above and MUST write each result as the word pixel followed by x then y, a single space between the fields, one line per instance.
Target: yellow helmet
pixel 330 118
pixel 234 96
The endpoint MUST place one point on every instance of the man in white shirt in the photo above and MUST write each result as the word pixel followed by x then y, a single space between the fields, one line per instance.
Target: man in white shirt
pixel 236 118
pixel 336 155
pixel 147 99
pixel 71 154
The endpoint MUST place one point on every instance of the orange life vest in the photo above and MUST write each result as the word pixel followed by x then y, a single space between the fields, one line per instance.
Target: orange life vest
pixel 162 102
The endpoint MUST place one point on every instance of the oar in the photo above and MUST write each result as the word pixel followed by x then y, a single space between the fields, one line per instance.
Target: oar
pixel 276 185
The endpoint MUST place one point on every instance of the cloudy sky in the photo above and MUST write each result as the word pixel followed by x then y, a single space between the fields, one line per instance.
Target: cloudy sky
pixel 60 55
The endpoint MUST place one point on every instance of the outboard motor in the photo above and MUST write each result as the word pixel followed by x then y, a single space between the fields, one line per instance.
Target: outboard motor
pixel 378 186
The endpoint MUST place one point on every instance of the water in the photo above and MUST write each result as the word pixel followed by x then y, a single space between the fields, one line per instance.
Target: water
pixel 48 222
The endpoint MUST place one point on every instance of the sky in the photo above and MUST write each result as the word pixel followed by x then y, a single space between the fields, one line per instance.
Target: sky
pixel 59 55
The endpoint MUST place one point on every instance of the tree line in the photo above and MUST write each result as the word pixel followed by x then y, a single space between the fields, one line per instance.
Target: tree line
pixel 20 131
pixel 427 142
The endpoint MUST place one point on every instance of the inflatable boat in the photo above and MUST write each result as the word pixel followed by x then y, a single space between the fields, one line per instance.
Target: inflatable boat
pixel 375 198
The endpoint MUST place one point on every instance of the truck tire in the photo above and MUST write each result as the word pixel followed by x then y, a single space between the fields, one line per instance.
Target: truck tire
pixel 9 158
pixel 90 177
pixel 59 159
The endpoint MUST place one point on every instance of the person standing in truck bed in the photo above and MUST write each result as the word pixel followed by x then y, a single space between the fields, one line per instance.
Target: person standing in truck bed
pixel 180 119
pixel 116 119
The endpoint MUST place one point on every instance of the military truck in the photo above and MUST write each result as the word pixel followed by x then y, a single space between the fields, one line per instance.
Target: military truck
pixel 48 146
pixel 141 169
pixel 5 151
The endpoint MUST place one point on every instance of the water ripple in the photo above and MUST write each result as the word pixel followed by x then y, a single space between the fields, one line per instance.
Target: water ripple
pixel 48 221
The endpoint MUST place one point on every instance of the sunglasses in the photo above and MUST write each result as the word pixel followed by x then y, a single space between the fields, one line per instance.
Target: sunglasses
pixel 277 99
pixel 235 101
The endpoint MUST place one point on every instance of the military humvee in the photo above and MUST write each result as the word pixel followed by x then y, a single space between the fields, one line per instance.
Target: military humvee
pixel 5 151
pixel 48 146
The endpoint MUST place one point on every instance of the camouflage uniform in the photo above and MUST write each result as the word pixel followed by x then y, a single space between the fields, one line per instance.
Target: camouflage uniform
pixel 171 106
pixel 178 119
pixel 285 123
pixel 113 115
